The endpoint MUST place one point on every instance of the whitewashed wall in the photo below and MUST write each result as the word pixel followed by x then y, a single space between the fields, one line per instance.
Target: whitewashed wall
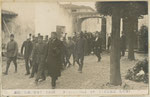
pixel 23 24
pixel 37 18
pixel 49 15
pixel 143 21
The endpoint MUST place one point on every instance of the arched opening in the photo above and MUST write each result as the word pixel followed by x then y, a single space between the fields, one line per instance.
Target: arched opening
pixel 101 26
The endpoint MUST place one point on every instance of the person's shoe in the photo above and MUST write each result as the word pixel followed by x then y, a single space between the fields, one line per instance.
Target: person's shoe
pixel 31 76
pixel 80 71
pixel 36 83
pixel 73 64
pixel 27 73
pixel 5 73
pixel 53 87
pixel 99 60
pixel 53 84
pixel 69 65
pixel 43 79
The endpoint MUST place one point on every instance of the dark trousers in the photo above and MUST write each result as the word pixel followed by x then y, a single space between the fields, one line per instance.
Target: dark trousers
pixel 27 61
pixel 41 72
pixel 123 52
pixel 34 68
pixel 74 58
pixel 53 81
pixel 9 60
pixel 98 54
pixel 80 62
pixel 108 46
pixel 68 59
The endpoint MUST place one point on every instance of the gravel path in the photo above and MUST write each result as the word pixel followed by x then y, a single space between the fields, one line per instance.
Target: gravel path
pixel 95 76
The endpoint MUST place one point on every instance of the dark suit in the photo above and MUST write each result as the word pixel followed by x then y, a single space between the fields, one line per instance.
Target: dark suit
pixel 98 47
pixel 27 48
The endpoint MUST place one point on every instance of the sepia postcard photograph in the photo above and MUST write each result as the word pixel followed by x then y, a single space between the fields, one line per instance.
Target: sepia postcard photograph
pixel 74 47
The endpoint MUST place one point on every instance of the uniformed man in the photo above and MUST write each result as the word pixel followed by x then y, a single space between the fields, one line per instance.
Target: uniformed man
pixel 54 58
pixel 34 57
pixel 74 49
pixel 27 48
pixel 70 48
pixel 79 51
pixel 97 46
pixel 64 52
pixel 46 39
pixel 12 50
pixel 40 49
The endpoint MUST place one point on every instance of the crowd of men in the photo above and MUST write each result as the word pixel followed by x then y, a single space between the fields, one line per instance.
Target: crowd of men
pixel 46 56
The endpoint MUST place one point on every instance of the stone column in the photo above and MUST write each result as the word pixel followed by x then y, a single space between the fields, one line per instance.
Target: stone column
pixel 79 24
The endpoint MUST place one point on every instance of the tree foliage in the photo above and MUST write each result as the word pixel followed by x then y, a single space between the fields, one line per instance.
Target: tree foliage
pixel 126 8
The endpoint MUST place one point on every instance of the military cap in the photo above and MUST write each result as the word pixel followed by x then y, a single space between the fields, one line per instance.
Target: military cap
pixel 11 35
pixel 54 33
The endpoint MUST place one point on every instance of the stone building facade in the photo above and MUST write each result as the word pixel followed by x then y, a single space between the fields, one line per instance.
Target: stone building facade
pixel 46 17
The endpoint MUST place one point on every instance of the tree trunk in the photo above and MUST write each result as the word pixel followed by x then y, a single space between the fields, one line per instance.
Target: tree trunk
pixel 103 30
pixel 131 36
pixel 115 76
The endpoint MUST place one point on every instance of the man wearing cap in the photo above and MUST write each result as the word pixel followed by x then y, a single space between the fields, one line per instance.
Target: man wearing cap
pixel 74 47
pixel 46 39
pixel 54 58
pixel 40 51
pixel 27 49
pixel 70 47
pixel 79 51
pixel 34 57
pixel 12 50
pixel 98 46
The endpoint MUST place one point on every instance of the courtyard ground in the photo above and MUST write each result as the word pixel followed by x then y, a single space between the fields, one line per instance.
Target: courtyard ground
pixel 95 75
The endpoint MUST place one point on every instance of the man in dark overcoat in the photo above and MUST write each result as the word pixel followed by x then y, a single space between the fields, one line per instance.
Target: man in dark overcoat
pixel 26 49
pixel 98 46
pixel 54 58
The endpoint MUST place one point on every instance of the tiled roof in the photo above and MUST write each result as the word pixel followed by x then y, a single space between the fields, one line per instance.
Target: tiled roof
pixel 72 6
pixel 5 12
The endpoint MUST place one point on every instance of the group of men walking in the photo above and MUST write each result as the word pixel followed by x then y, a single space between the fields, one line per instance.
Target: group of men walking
pixel 49 56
